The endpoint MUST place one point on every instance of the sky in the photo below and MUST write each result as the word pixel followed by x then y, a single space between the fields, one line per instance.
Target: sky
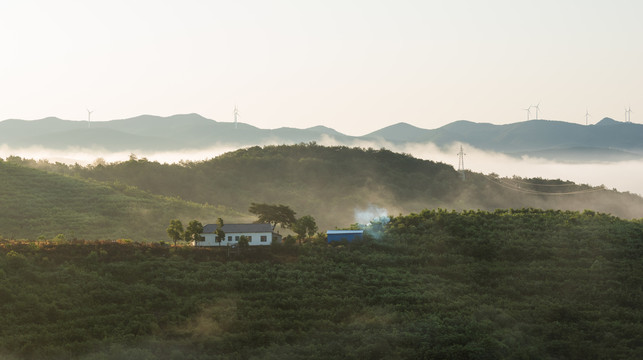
pixel 354 66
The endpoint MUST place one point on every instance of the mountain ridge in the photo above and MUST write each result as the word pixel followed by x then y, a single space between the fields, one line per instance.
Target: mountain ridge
pixel 193 131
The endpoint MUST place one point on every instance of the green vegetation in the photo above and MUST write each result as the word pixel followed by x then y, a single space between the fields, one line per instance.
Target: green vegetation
pixel 193 231
pixel 175 230
pixel 274 214
pixel 36 203
pixel 305 225
pixel 527 284
pixel 220 234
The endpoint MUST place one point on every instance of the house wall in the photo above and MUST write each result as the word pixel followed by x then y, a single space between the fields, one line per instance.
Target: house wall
pixel 210 239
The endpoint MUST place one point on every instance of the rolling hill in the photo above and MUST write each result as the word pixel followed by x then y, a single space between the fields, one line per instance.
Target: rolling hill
pixel 337 184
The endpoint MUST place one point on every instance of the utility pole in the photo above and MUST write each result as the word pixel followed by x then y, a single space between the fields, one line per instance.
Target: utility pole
pixel 89 117
pixel 461 155
pixel 236 116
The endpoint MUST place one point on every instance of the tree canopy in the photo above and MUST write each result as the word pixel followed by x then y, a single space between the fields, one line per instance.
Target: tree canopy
pixel 219 232
pixel 175 230
pixel 193 231
pixel 305 225
pixel 274 214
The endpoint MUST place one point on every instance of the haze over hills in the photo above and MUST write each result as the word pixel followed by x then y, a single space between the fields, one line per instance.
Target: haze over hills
pixel 608 140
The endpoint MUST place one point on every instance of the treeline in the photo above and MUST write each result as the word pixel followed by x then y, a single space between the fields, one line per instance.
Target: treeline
pixel 438 284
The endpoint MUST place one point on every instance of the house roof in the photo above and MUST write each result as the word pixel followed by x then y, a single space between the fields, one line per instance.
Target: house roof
pixel 238 228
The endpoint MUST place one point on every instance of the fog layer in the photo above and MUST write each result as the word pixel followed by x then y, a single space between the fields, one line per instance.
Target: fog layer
pixel 622 176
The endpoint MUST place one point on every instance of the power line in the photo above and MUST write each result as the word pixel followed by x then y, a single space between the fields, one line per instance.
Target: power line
pixel 535 192
pixel 536 184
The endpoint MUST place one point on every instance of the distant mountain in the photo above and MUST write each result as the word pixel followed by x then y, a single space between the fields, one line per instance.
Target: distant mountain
pixel 608 140
pixel 400 133
pixel 151 133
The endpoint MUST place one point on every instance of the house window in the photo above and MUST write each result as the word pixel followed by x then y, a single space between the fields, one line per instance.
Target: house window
pixel 236 238
pixel 249 238
pixel 229 238
pixel 264 238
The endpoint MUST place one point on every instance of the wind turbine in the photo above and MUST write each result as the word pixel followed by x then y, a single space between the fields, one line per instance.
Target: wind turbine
pixel 537 107
pixel 628 110
pixel 89 117
pixel 236 116
pixel 587 115
pixel 528 110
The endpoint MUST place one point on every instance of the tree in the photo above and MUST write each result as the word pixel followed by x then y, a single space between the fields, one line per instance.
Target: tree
pixel 193 232
pixel 220 234
pixel 305 225
pixel 274 214
pixel 175 230
pixel 243 242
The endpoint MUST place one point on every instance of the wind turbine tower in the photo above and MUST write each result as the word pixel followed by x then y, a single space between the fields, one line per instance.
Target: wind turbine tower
pixel 461 155
pixel 528 110
pixel 89 118
pixel 236 116
pixel 537 107
pixel 587 115
pixel 628 111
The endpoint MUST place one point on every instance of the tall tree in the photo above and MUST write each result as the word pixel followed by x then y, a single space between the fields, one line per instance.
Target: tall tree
pixel 274 214
pixel 193 232
pixel 219 231
pixel 175 230
pixel 305 225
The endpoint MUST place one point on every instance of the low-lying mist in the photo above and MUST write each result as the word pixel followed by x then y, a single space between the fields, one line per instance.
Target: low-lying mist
pixel 622 176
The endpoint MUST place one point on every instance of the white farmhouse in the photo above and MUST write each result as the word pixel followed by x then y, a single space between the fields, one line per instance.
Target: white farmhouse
pixel 257 234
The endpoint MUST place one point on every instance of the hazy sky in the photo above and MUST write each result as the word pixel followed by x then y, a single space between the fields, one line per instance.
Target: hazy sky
pixel 355 66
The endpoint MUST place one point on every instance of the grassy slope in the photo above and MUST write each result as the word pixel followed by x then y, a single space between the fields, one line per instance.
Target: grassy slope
pixel 35 203
pixel 504 285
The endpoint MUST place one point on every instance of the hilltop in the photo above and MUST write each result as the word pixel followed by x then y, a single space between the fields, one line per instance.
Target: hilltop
pixel 332 183
pixel 608 140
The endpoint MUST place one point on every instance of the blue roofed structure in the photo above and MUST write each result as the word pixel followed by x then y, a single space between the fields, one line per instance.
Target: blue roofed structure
pixel 348 235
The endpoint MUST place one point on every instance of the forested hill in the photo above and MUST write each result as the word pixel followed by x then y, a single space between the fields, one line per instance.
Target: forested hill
pixel 332 183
